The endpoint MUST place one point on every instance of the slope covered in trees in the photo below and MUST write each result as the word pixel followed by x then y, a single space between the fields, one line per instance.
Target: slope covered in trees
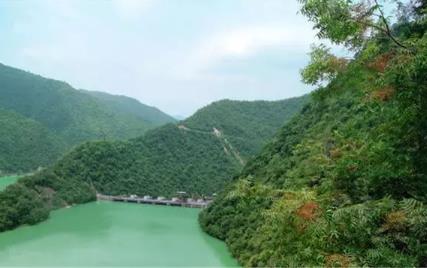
pixel 247 125
pixel 197 159
pixel 345 182
pixel 198 156
pixel 25 144
pixel 151 115
pixel 69 116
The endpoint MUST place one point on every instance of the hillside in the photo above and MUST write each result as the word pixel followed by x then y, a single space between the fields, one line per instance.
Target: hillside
pixel 151 115
pixel 25 144
pixel 198 156
pixel 345 182
pixel 69 115
pixel 247 124
pixel 198 160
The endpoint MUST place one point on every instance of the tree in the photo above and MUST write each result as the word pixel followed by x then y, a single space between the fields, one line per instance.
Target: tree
pixel 349 22
pixel 354 24
pixel 323 67
pixel 420 6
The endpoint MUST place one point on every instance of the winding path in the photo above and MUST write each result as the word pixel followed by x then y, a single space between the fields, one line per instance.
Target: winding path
pixel 217 133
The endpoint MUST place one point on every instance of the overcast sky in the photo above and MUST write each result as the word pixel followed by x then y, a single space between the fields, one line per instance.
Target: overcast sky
pixel 178 55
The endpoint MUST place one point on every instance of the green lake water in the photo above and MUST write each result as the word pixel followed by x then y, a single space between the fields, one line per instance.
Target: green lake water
pixel 5 181
pixel 115 234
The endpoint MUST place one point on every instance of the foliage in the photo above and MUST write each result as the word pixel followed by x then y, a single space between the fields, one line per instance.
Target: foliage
pixel 65 116
pixel 344 183
pixel 151 116
pixel 25 144
pixel 349 22
pixel 323 67
pixel 30 200
pixel 186 157
pixel 20 205
pixel 246 124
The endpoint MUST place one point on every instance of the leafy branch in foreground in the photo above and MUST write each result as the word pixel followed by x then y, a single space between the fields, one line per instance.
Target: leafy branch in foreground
pixel 324 66
pixel 345 183
pixel 349 22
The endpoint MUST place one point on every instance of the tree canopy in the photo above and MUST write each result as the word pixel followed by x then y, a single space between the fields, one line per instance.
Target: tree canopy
pixel 345 182
pixel 199 156
pixel 44 118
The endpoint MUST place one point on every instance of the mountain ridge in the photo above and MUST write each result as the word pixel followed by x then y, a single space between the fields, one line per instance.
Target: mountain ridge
pixel 163 161
pixel 70 115
pixel 148 113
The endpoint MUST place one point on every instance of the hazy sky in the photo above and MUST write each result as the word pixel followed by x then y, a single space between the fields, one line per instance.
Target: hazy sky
pixel 178 55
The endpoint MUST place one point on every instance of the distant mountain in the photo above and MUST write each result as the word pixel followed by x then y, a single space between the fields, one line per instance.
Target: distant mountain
pixel 151 115
pixel 71 116
pixel 199 155
pixel 195 156
pixel 179 117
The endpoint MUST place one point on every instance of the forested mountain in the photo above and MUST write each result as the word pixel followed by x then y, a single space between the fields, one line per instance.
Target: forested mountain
pixel 151 115
pixel 345 182
pixel 192 156
pixel 69 116
pixel 247 124
pixel 25 144
pixel 198 156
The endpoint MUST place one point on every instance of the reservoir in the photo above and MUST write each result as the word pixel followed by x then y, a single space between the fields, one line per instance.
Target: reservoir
pixel 115 234
pixel 5 181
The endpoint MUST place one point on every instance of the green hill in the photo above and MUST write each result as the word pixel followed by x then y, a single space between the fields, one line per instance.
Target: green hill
pixel 69 115
pixel 198 156
pixel 151 115
pixel 191 156
pixel 344 184
pixel 247 124
pixel 25 144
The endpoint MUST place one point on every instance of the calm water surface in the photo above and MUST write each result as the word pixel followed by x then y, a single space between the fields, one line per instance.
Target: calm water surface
pixel 5 181
pixel 114 234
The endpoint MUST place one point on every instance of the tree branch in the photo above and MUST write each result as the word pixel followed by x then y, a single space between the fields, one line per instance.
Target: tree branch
pixel 387 29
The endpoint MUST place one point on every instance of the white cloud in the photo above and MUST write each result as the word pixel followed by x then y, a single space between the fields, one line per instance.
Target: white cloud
pixel 131 9
pixel 177 55
pixel 244 43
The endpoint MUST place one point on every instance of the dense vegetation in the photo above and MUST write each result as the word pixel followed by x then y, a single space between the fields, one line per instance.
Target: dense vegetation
pixel 25 144
pixel 67 116
pixel 151 115
pixel 165 160
pixel 345 182
pixel 259 121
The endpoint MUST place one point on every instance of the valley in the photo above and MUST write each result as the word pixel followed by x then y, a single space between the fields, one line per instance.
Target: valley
pixel 199 155
pixel 335 177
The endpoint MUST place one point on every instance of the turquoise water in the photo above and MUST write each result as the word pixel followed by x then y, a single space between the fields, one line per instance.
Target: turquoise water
pixel 5 181
pixel 115 234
